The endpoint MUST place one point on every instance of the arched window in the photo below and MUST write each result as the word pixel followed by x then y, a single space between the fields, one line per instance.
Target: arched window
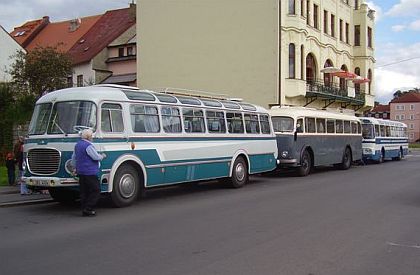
pixel 356 4
pixel 328 77
pixel 311 68
pixel 343 81
pixel 370 82
pixel 357 85
pixel 292 7
pixel 292 59
pixel 302 62
pixel 302 8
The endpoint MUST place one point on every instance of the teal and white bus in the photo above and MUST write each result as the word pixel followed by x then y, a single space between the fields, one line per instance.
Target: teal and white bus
pixel 151 139
pixel 383 139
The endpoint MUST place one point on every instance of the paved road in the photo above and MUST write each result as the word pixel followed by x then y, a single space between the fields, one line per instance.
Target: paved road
pixel 362 221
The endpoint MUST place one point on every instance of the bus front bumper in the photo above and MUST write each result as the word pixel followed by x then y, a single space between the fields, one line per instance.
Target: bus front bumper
pixel 50 181
pixel 285 163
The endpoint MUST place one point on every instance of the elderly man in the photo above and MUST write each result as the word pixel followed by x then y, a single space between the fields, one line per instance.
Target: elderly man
pixel 86 161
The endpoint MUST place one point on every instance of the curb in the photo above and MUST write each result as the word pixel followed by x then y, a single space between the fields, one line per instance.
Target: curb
pixel 9 192
pixel 27 202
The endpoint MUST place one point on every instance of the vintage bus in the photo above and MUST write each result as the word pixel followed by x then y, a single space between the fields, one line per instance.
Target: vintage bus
pixel 150 138
pixel 308 137
pixel 383 139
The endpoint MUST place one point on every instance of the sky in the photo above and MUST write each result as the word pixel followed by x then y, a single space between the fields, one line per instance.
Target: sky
pixel 397 33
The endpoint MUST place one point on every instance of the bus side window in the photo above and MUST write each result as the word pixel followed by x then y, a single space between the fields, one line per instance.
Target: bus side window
pixel 251 124
pixel 111 118
pixel 299 125
pixel 331 126
pixel 387 131
pixel 354 127
pixel 144 119
pixel 320 125
pixel 382 127
pixel 216 122
pixel 193 120
pixel 235 123
pixel 359 128
pixel 171 120
pixel 347 128
pixel 265 124
pixel 339 126
pixel 310 125
pixel 377 132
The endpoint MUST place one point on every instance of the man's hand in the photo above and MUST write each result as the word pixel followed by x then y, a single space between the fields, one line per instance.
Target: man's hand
pixel 103 155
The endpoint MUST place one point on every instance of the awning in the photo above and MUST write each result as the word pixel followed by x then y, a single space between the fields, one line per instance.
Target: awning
pixel 329 70
pixel 344 74
pixel 360 80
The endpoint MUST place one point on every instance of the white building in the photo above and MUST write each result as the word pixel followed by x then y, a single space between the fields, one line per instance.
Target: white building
pixel 9 47
pixel 265 51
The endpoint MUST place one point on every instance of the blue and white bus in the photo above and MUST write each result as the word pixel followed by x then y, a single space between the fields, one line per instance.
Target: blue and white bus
pixel 383 139
pixel 308 137
pixel 151 139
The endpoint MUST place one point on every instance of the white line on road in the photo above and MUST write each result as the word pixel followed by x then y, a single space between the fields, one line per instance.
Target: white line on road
pixel 404 245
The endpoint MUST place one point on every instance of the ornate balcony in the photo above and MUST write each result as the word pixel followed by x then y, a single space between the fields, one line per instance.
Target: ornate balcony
pixel 331 93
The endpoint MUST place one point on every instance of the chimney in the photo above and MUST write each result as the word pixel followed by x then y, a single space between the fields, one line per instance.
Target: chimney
pixel 74 24
pixel 132 11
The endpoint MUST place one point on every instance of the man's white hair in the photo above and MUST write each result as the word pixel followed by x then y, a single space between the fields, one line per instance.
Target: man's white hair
pixel 87 133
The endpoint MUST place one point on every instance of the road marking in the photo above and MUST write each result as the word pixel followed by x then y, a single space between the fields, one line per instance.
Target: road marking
pixel 404 245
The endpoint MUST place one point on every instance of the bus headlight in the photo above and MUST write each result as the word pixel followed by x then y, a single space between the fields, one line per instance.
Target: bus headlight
pixel 24 165
pixel 284 154
pixel 69 167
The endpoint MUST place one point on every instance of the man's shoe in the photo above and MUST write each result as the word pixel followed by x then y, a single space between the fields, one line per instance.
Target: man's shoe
pixel 88 213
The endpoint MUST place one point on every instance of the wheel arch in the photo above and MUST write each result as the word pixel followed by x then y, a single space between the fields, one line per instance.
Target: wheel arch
pixel 235 156
pixel 128 159
pixel 311 154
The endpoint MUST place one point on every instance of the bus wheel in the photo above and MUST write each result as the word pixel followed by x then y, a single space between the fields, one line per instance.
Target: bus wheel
pixel 63 196
pixel 125 187
pixel 240 175
pixel 399 157
pixel 381 157
pixel 306 164
pixel 346 162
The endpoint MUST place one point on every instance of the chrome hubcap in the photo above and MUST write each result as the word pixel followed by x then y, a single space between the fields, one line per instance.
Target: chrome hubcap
pixel 127 186
pixel 240 172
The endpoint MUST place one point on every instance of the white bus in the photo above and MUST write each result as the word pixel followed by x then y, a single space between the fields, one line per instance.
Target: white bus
pixel 383 139
pixel 308 137
pixel 151 139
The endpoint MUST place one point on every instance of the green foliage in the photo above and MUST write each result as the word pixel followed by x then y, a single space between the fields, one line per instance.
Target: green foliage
pixel 3 176
pixel 400 93
pixel 39 71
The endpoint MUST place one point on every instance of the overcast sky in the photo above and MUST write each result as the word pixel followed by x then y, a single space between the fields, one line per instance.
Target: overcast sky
pixel 397 36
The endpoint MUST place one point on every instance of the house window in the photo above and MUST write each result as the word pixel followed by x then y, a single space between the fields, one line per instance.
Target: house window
pixel 411 117
pixel 292 7
pixel 411 107
pixel 120 52
pixel 411 126
pixel 70 81
pixel 316 17
pixel 308 12
pixel 369 30
pixel 397 117
pixel 292 57
pixel 302 62
pixel 385 115
pixel 130 51
pixel 341 30
pixel 347 33
pixel 411 135
pixel 356 4
pixel 302 8
pixel 402 117
pixel 80 80
pixel 357 35
pixel 377 115
pixel 325 21
pixel 332 25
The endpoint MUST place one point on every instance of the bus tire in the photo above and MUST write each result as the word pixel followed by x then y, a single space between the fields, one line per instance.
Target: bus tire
pixel 63 196
pixel 381 157
pixel 399 157
pixel 125 186
pixel 240 175
pixel 305 164
pixel 346 161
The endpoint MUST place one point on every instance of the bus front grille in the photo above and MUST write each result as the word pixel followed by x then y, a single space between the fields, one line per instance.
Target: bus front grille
pixel 43 161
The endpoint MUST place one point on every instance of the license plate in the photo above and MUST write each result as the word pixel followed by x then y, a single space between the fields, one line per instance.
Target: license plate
pixel 40 182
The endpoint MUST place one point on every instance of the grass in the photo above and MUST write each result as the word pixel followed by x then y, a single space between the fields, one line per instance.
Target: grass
pixel 3 176
pixel 414 145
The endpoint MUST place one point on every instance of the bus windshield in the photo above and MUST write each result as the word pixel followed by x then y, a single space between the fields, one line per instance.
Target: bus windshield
pixel 283 124
pixel 368 131
pixel 67 117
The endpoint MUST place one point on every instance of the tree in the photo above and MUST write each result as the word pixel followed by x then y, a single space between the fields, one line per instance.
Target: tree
pixel 41 70
pixel 397 94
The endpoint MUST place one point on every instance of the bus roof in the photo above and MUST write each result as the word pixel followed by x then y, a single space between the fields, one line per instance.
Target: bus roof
pixel 295 112
pixel 119 93
pixel 379 121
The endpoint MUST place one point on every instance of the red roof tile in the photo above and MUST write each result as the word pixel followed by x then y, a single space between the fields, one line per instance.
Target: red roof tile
pixel 381 108
pixel 61 33
pixel 407 97
pixel 28 31
pixel 111 25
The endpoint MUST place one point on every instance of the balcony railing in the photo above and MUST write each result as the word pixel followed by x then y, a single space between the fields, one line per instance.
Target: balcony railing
pixel 331 92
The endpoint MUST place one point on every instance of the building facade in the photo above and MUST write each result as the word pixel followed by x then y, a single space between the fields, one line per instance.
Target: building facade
pixel 268 52
pixel 380 111
pixel 406 108
pixel 9 47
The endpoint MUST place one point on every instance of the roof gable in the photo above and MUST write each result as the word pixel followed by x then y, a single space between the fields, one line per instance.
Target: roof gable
pixel 407 97
pixel 27 32
pixel 111 25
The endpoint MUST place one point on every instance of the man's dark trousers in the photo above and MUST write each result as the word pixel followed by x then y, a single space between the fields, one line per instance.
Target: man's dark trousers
pixel 89 191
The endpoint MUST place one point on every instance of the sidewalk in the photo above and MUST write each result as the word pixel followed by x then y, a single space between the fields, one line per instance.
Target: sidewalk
pixel 10 196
